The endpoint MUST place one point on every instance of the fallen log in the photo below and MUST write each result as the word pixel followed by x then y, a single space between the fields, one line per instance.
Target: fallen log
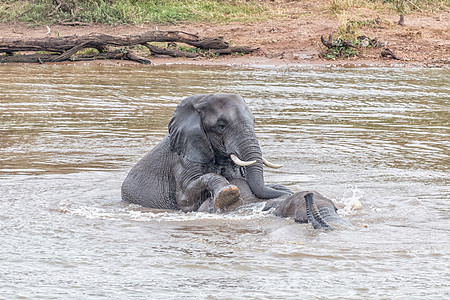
pixel 66 48
pixel 170 52
pixel 44 58
pixel 234 50
pixel 177 53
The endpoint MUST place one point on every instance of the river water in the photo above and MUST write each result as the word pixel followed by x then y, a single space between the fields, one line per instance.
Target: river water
pixel 376 140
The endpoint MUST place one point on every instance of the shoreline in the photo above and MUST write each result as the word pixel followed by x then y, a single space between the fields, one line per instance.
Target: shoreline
pixel 249 61
pixel 424 40
pixel 256 61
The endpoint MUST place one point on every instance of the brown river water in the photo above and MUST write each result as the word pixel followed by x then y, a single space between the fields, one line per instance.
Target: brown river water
pixel 376 140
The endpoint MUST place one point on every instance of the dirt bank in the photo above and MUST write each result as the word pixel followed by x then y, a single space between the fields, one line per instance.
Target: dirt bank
pixel 423 40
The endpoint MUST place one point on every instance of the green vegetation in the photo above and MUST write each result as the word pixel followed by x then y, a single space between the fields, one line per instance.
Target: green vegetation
pixel 138 12
pixel 407 6
pixel 341 49
pixel 131 11
pixel 345 43
pixel 347 31
pixel 190 49
pixel 400 6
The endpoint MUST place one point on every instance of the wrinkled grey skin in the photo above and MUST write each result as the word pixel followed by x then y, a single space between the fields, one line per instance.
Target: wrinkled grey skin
pixel 191 169
pixel 321 211
pixel 193 161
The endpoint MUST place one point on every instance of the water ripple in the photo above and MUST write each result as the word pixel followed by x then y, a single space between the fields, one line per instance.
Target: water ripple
pixel 374 140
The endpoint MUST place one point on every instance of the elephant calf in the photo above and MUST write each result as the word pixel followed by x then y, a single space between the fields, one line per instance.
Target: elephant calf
pixel 208 156
pixel 303 207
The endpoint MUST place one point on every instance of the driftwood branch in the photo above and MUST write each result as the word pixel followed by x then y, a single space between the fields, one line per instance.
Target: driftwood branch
pixel 387 52
pixel 338 43
pixel 56 8
pixel 68 54
pixel 234 50
pixel 327 43
pixel 170 52
pixel 43 58
pixel 73 23
pixel 67 47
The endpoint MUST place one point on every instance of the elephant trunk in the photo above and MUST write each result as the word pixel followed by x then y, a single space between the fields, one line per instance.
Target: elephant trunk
pixel 313 214
pixel 330 216
pixel 324 217
pixel 255 178
pixel 249 150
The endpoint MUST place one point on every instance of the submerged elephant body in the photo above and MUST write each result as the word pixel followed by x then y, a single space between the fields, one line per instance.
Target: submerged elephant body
pixel 303 207
pixel 210 160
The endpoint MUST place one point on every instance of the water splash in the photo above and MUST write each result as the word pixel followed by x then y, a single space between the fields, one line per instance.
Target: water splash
pixel 137 213
pixel 351 203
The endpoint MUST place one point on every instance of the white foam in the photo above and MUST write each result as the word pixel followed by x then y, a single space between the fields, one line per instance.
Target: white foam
pixel 248 212
pixel 137 213
pixel 351 203
pixel 93 213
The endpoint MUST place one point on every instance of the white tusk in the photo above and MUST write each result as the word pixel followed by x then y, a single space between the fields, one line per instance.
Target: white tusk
pixel 270 165
pixel 241 162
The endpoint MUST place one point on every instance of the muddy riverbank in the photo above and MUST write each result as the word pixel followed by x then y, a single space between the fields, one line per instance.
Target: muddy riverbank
pixel 424 40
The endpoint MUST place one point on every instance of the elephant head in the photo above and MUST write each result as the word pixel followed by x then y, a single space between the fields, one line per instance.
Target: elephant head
pixel 216 130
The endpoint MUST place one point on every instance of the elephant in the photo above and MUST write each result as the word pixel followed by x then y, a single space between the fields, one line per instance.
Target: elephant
pixel 303 207
pixel 211 140
pixel 208 158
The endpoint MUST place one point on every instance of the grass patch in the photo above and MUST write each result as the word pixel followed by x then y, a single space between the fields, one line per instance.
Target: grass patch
pixel 189 49
pixel 399 6
pixel 88 51
pixel 138 12
pixel 347 32
pixel 408 6
pixel 134 12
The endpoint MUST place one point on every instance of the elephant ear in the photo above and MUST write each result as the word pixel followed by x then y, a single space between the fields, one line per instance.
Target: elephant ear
pixel 187 137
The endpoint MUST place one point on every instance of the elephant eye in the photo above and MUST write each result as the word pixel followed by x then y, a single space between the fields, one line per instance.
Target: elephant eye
pixel 221 124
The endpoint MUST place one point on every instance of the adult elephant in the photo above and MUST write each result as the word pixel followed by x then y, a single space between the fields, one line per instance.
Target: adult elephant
pixel 211 141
